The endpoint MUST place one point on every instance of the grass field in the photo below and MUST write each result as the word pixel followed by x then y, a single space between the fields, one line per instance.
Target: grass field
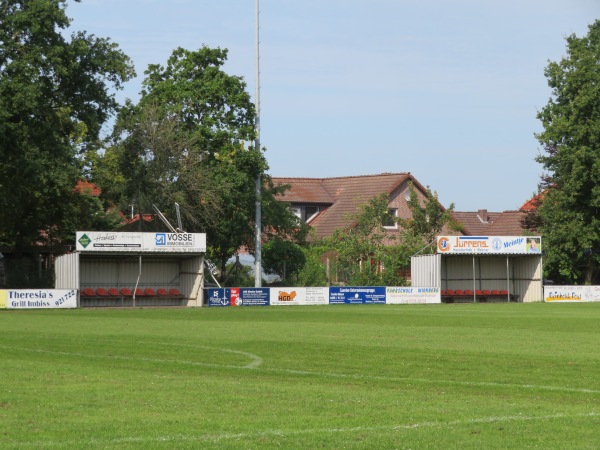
pixel 348 376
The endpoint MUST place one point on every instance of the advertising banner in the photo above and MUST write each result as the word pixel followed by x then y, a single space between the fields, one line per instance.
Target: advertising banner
pixel 39 298
pixel 412 295
pixel 3 299
pixel 493 245
pixel 112 241
pixel 577 294
pixel 249 296
pixel 218 297
pixel 299 296
pixel 361 294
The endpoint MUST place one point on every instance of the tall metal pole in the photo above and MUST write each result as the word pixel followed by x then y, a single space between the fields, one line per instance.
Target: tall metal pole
pixel 258 244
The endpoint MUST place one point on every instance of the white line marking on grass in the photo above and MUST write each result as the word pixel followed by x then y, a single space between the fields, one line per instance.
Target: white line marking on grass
pixel 254 363
pixel 257 361
pixel 219 437
pixel 433 381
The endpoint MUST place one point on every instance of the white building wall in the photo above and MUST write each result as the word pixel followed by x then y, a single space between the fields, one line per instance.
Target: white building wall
pixel 528 279
pixel 66 271
pixel 425 270
pixel 192 280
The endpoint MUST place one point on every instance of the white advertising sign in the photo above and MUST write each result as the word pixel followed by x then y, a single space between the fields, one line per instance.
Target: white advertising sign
pixel 576 294
pixel 299 296
pixel 413 295
pixel 112 241
pixel 39 298
pixel 499 245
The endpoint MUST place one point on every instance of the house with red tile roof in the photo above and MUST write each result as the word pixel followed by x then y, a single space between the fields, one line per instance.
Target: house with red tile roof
pixel 328 204
pixel 506 223
pixel 484 223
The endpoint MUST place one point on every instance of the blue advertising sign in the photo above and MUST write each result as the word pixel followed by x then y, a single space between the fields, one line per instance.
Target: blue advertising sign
pixel 249 296
pixel 361 295
pixel 218 297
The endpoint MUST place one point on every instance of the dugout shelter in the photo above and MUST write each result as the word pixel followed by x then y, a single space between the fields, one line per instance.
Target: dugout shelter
pixel 135 269
pixel 483 268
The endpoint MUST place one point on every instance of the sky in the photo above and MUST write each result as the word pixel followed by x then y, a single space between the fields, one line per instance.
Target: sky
pixel 447 90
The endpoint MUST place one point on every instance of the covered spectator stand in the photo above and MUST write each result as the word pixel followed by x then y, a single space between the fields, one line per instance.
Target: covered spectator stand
pixel 135 269
pixel 483 268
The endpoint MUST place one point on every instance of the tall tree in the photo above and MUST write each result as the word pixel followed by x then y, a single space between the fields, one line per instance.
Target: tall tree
pixel 570 207
pixel 54 97
pixel 185 142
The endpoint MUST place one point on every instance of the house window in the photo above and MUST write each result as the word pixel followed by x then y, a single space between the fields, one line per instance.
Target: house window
pixel 297 211
pixel 305 213
pixel 391 220
pixel 310 212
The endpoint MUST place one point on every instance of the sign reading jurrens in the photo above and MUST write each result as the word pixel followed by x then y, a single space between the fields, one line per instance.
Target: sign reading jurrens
pixel 499 245
pixel 112 241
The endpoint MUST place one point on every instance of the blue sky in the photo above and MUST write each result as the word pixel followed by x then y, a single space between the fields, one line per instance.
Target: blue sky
pixel 445 89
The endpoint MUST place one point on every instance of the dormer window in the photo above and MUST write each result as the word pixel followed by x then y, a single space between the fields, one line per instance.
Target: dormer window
pixel 305 213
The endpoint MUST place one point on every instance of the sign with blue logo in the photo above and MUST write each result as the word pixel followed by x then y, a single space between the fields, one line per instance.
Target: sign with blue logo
pixel 118 242
pixel 357 294
pixel 249 296
pixel 218 297
pixel 499 245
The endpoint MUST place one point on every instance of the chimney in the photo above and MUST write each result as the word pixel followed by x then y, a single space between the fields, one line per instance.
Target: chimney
pixel 483 215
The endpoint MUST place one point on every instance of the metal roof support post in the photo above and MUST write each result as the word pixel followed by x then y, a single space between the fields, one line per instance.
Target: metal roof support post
pixel 137 282
pixel 474 282
pixel 507 279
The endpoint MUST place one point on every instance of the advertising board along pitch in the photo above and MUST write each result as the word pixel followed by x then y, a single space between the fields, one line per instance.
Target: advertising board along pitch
pixel 493 245
pixel 117 242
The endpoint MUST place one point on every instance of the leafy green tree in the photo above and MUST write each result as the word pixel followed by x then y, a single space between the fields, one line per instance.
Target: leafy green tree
pixel 362 249
pixel 184 142
pixel 282 257
pixel 570 208
pixel 314 270
pixel 367 254
pixel 238 274
pixel 54 97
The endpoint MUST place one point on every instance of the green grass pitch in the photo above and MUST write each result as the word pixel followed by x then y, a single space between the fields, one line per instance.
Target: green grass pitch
pixel 462 376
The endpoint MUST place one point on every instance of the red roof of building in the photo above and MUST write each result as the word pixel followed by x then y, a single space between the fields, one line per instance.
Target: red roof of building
pixel 533 203
pixel 342 197
pixel 484 223
pixel 85 187
pixel 507 224
pixel 475 223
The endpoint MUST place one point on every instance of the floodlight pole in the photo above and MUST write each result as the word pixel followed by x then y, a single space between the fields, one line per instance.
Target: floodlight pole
pixel 258 189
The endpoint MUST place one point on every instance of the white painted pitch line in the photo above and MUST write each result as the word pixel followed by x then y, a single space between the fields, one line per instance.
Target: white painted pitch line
pixel 433 381
pixel 256 362
pixel 216 438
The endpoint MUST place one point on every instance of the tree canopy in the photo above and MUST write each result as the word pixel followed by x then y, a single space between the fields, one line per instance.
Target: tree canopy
pixel 55 94
pixel 570 206
pixel 185 142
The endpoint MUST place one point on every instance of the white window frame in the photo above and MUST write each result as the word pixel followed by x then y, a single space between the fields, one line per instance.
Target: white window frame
pixel 393 212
